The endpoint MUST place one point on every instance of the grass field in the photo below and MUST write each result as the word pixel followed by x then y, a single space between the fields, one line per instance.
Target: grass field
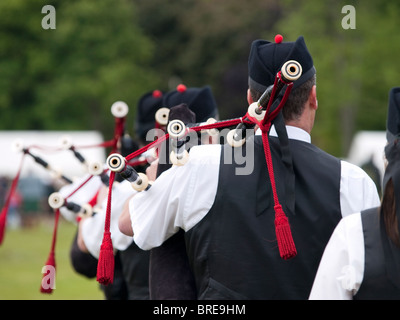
pixel 24 252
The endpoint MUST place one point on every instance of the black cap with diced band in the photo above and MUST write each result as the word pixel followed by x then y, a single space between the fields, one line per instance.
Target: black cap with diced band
pixel 147 107
pixel 267 58
pixel 199 100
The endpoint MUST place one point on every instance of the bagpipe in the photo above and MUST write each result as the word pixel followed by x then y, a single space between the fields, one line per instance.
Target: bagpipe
pixel 260 113
pixel 18 146
pixel 119 110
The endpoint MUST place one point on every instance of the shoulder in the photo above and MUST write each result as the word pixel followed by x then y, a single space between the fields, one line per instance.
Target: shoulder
pixel 348 227
pixel 353 174
pixel 350 223
pixel 352 170
pixel 205 154
pixel 351 228
pixel 358 191
pixel 206 150
pixel 348 233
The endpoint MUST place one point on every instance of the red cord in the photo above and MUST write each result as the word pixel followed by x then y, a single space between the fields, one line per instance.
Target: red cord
pixel 287 248
pixel 4 211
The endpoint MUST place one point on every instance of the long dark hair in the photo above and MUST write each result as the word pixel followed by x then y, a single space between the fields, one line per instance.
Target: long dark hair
pixel 388 212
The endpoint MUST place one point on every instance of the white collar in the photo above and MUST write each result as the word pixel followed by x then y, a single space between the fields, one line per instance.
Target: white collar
pixel 292 132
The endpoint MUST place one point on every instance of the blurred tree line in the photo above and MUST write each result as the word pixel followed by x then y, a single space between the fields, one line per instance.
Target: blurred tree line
pixel 104 51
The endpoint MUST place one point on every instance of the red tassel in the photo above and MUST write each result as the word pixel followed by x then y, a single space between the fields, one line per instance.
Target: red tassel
pixel 93 201
pixel 105 266
pixel 4 211
pixel 48 279
pixel 287 248
pixel 49 270
pixel 3 220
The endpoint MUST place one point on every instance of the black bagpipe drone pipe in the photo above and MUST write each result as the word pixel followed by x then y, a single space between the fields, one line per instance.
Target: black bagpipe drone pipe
pixel 260 113
pixel 66 143
pixel 119 110
pixel 56 201
pixel 18 146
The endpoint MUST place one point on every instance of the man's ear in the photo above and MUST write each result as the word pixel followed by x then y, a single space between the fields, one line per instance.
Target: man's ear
pixel 312 98
pixel 249 98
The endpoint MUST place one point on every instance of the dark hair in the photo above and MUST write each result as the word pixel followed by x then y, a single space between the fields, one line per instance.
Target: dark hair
pixel 295 104
pixel 388 211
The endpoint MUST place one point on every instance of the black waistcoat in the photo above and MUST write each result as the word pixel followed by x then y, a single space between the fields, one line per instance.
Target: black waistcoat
pixel 375 284
pixel 233 250
pixel 135 271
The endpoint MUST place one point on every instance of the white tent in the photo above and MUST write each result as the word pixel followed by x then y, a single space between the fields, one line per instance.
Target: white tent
pixel 48 146
pixel 368 147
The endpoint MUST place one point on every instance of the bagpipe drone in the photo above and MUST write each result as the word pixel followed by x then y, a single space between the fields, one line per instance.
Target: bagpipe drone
pixel 260 113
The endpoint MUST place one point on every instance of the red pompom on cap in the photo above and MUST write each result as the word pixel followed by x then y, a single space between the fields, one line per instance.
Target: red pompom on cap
pixel 278 38
pixel 181 88
pixel 157 94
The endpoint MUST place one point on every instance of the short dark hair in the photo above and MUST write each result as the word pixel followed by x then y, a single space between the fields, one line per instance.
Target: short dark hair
pixel 294 106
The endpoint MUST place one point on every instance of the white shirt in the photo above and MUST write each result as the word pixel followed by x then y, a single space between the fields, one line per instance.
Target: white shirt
pixel 80 196
pixel 341 269
pixel 182 196
pixel 93 228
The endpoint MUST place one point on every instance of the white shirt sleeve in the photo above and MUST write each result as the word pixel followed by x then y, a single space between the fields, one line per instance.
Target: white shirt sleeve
pixel 179 198
pixel 357 190
pixel 93 227
pixel 341 269
pixel 82 196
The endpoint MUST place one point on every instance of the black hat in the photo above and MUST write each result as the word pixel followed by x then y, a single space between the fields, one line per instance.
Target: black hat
pixel 393 119
pixel 199 100
pixel 147 107
pixel 266 59
pixel 392 149
pixel 392 172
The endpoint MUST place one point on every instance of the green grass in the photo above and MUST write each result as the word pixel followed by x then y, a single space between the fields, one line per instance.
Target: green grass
pixel 24 252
